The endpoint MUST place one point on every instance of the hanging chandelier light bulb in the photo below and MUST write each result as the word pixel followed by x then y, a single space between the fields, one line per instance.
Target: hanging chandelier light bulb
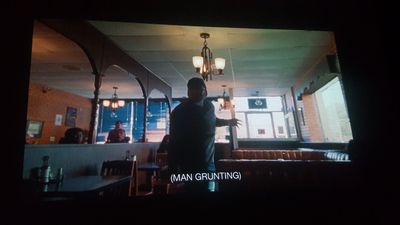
pixel 114 103
pixel 203 63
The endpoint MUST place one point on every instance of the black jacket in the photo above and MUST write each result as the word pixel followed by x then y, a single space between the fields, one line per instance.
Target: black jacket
pixel 192 134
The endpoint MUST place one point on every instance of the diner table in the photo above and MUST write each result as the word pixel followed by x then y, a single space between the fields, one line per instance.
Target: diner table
pixel 152 168
pixel 82 186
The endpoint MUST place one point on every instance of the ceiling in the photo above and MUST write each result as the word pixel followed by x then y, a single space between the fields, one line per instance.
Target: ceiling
pixel 257 60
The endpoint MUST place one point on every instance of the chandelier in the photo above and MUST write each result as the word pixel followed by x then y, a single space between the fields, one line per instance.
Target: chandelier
pixel 114 103
pixel 203 63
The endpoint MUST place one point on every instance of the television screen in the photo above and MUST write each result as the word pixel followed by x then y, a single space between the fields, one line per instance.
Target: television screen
pixel 101 95
pixel 113 110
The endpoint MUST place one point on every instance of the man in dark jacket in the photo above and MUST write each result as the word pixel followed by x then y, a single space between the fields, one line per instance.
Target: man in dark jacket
pixel 192 134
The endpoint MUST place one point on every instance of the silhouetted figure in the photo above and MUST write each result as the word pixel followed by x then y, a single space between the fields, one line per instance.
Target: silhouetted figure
pixel 73 135
pixel 192 134
pixel 29 139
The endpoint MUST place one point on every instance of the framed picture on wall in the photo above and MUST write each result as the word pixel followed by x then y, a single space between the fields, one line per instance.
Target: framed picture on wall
pixel 34 127
pixel 58 120
pixel 70 118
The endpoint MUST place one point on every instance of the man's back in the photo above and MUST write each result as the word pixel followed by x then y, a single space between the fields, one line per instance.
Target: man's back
pixel 192 131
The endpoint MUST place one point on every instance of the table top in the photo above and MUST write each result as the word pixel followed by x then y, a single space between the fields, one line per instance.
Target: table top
pixel 149 166
pixel 86 184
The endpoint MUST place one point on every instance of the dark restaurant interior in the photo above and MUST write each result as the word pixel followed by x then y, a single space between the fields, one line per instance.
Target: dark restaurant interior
pixel 309 81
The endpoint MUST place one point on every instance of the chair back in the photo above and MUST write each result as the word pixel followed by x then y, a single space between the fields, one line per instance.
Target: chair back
pixel 162 159
pixel 116 168
pixel 161 182
pixel 122 168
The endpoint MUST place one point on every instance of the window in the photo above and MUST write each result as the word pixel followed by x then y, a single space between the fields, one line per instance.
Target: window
pixel 107 121
pixel 333 112
pixel 157 116
pixel 262 118
pixel 132 117
pixel 260 125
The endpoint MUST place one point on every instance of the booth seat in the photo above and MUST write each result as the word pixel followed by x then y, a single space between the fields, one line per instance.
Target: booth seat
pixel 281 175
pixel 280 170
pixel 299 154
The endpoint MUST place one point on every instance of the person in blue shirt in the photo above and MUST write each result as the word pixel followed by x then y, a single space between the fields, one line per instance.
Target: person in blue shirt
pixel 192 135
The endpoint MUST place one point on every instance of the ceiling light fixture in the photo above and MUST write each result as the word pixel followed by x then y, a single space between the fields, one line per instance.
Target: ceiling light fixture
pixel 203 63
pixel 114 103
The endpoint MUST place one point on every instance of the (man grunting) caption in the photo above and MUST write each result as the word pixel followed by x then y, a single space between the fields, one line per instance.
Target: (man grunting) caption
pixel 182 177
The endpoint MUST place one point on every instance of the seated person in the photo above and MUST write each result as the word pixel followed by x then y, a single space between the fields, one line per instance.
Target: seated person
pixel 72 136
pixel 117 135
pixel 29 139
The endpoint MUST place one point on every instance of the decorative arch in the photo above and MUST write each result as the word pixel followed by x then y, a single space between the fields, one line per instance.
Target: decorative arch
pixel 103 53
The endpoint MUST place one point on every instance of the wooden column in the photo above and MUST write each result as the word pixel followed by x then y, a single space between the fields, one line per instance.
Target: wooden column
pixel 146 101
pixel 95 103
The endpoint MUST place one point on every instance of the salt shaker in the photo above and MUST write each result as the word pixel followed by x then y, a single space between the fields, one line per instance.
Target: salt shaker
pixel 60 175
pixel 45 170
